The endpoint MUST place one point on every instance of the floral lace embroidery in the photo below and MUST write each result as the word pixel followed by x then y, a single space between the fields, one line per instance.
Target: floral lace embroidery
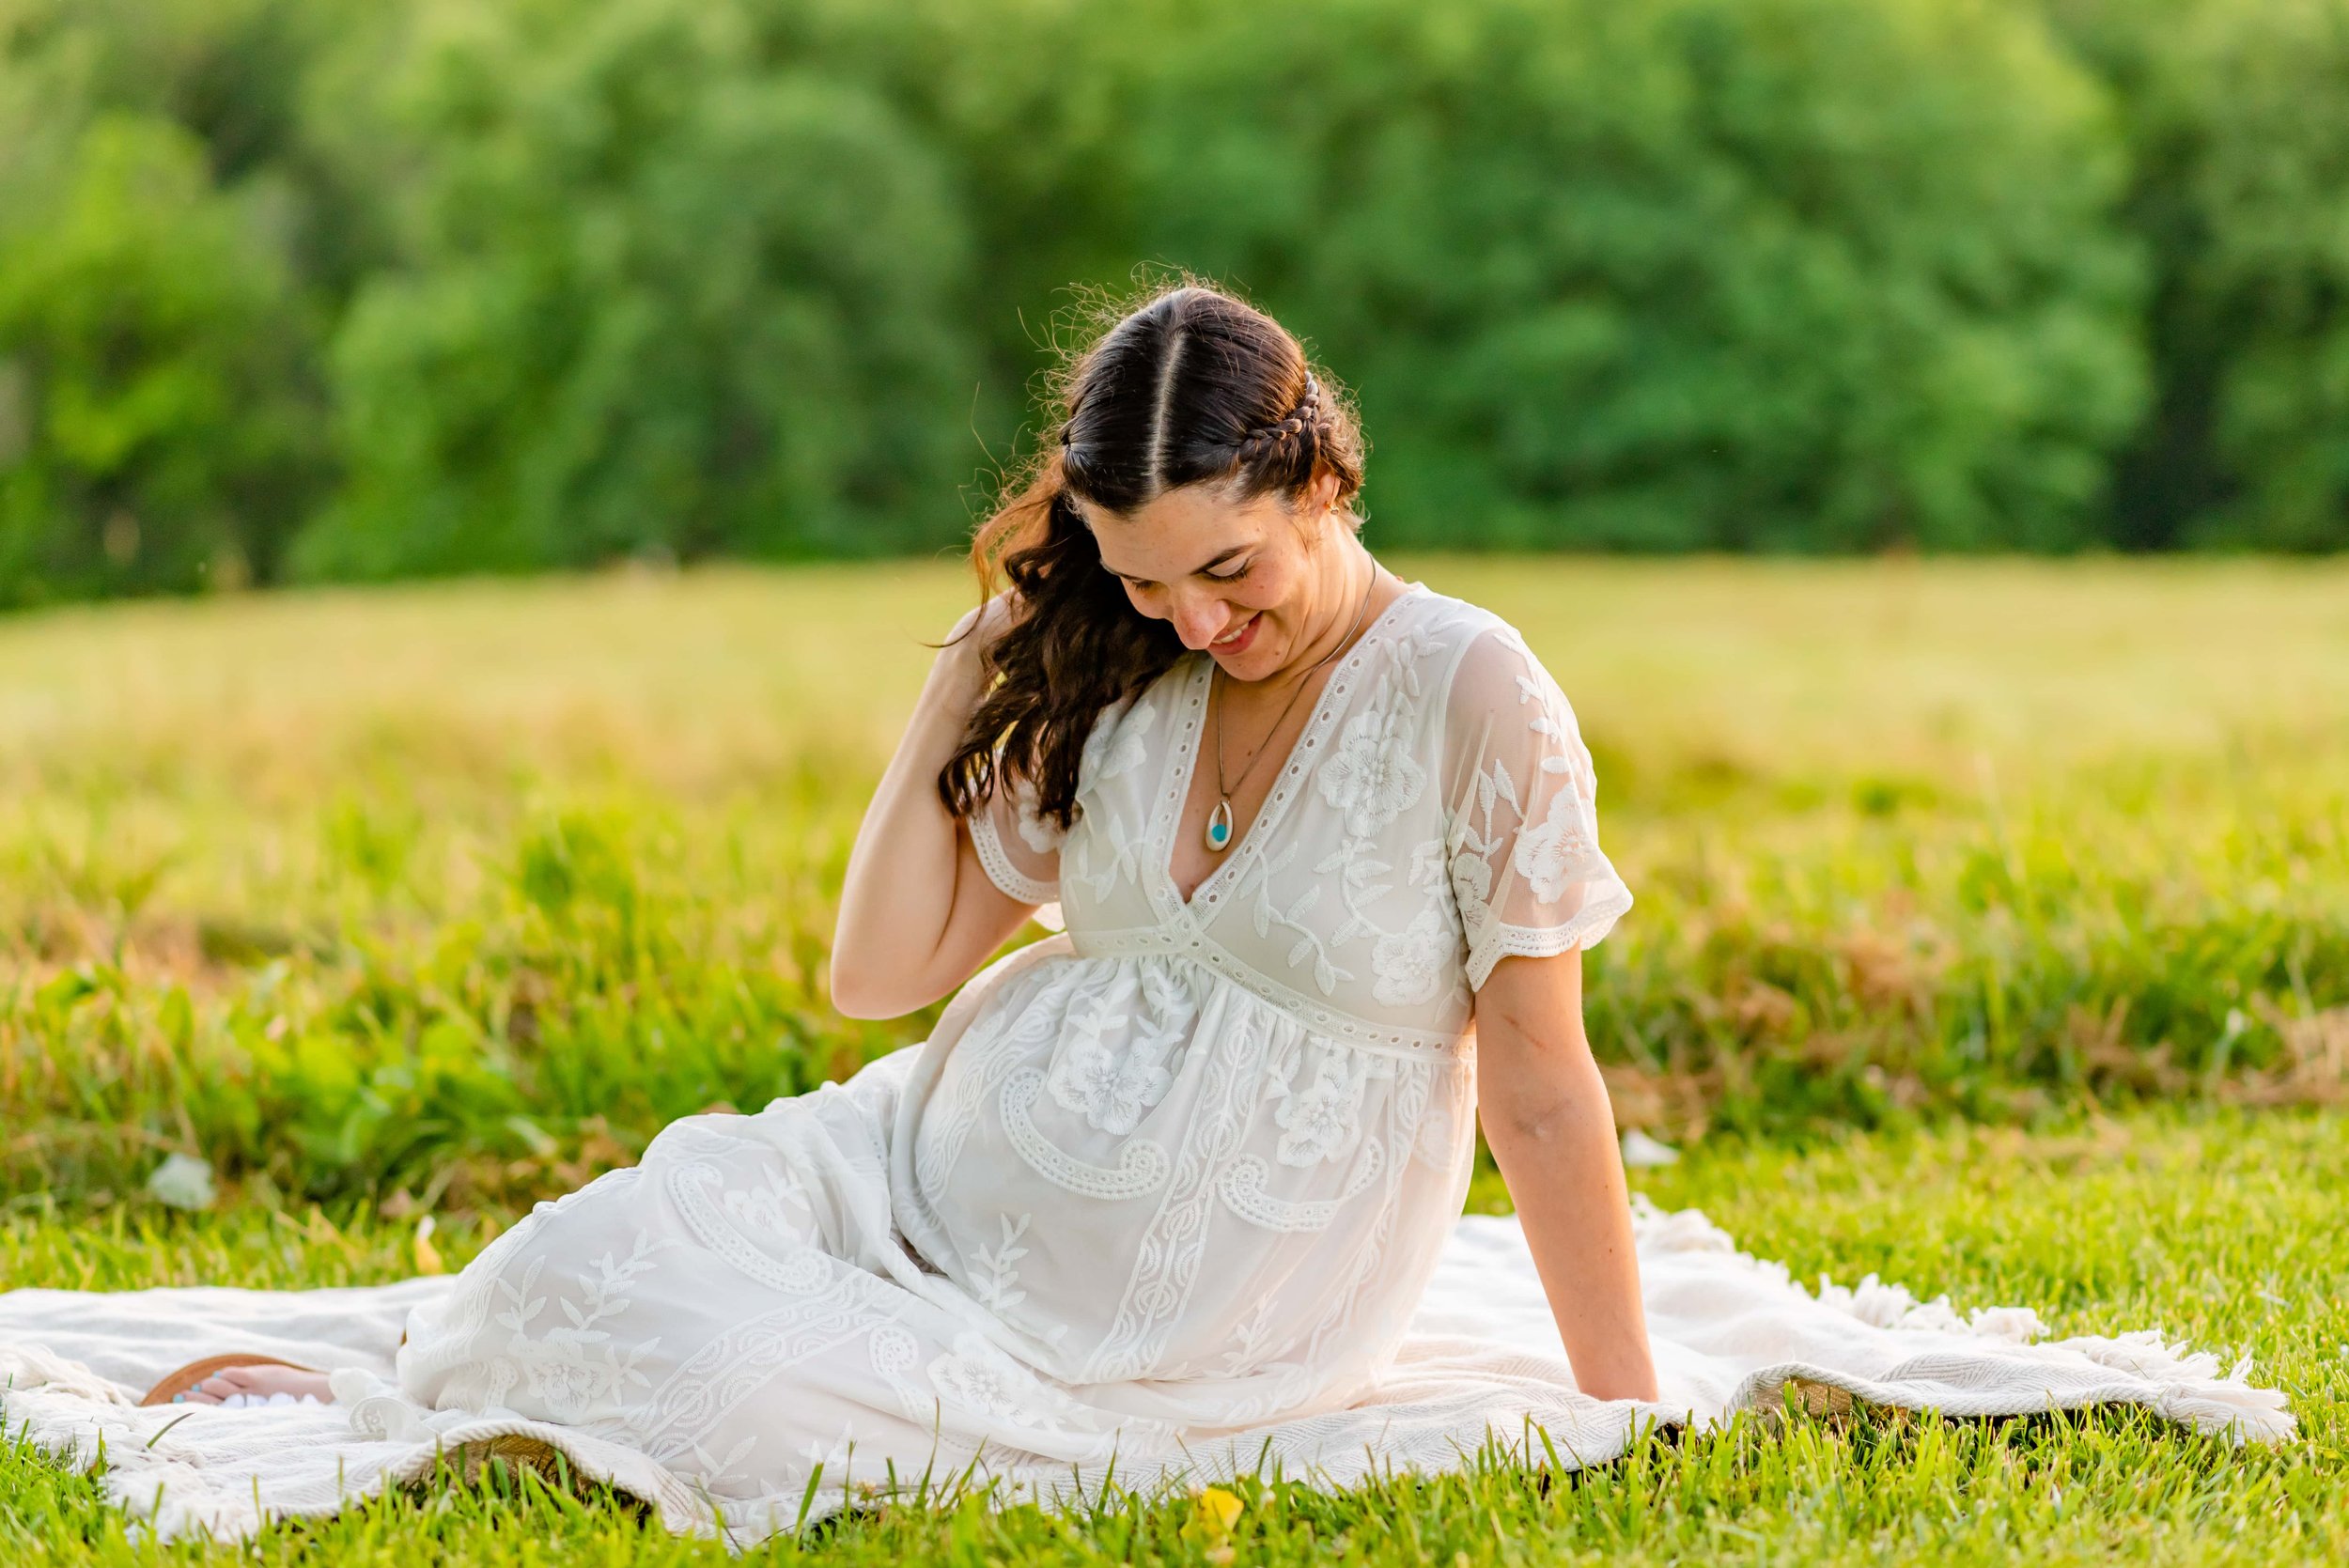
pixel 978 1376
pixel 743 1358
pixel 1119 743
pixel 997 1272
pixel 1251 1339
pixel 1258 880
pixel 1110 1088
pixel 1109 851
pixel 1550 853
pixel 1369 775
pixel 1475 838
pixel 1321 1121
pixel 776 1205
pixel 1405 1109
pixel 986 1057
pixel 1104 854
pixel 1243 1182
pixel 1166 1263
pixel 802 1269
pixel 1410 963
pixel 1362 890
pixel 1555 848
pixel 1440 1126
pixel 1141 1164
pixel 574 1367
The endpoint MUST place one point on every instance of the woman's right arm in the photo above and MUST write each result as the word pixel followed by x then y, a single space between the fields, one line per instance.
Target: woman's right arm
pixel 918 912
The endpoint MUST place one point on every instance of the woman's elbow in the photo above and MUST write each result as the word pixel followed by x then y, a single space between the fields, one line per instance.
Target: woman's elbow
pixel 1546 1097
pixel 858 991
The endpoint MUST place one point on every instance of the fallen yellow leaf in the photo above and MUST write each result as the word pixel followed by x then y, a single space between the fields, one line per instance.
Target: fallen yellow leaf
pixel 1214 1512
pixel 427 1256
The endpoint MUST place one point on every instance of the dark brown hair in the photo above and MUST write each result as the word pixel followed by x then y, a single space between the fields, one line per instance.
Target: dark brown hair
pixel 1190 386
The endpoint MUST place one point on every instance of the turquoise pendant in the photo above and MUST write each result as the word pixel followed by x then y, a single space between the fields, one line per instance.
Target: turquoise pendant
pixel 1220 825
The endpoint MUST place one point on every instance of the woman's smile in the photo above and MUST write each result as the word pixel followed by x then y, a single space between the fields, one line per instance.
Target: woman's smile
pixel 1238 640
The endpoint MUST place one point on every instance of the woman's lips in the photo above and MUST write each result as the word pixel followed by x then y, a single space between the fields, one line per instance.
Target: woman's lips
pixel 1239 643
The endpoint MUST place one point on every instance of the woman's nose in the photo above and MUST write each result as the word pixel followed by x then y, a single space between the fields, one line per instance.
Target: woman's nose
pixel 1199 622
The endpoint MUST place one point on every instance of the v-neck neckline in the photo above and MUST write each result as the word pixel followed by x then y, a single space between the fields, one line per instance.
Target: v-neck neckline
pixel 1184 760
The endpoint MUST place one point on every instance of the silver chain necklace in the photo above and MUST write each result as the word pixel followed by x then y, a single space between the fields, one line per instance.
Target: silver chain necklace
pixel 1219 829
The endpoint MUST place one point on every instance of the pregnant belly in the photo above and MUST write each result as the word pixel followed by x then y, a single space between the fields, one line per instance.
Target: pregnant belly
pixel 1154 1179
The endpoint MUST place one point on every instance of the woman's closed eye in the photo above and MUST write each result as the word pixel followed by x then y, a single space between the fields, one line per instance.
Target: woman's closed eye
pixel 1142 585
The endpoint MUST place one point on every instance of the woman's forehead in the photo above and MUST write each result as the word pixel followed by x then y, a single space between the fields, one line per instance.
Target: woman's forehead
pixel 1181 530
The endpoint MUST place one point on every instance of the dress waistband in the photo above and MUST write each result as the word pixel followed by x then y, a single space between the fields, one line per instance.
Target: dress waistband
pixel 1318 1017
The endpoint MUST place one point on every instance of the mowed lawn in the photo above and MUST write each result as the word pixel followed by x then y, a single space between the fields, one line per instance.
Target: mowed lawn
pixel 1993 936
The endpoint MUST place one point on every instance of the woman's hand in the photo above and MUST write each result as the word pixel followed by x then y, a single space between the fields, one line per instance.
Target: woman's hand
pixel 1552 1131
pixel 918 914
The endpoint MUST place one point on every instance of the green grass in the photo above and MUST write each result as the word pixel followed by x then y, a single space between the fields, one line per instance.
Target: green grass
pixel 2219 1226
pixel 1992 935
pixel 464 890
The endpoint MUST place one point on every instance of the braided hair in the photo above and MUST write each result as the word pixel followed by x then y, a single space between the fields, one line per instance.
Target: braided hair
pixel 1191 386
pixel 1301 424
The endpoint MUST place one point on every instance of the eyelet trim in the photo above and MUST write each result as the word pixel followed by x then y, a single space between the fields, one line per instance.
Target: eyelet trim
pixel 1013 882
pixel 1502 941
pixel 1183 763
pixel 1313 1016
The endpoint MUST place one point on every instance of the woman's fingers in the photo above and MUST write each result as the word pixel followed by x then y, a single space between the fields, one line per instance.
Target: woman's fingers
pixel 197 1393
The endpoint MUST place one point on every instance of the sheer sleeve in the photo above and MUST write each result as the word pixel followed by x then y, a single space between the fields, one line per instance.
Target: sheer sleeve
pixel 1521 819
pixel 1021 853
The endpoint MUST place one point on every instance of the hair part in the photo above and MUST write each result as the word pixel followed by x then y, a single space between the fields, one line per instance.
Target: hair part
pixel 1192 385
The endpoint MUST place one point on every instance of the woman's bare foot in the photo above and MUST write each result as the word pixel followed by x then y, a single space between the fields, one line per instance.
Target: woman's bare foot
pixel 258 1384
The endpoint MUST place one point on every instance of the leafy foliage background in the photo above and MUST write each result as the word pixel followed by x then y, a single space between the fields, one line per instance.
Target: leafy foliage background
pixel 363 289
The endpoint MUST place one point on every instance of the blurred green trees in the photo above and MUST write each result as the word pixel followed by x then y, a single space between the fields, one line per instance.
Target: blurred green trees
pixel 1810 274
pixel 155 421
pixel 2235 114
pixel 367 288
pixel 661 290
pixel 161 425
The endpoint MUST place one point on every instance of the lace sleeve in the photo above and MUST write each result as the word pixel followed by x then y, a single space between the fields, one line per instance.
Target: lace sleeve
pixel 1521 811
pixel 1021 854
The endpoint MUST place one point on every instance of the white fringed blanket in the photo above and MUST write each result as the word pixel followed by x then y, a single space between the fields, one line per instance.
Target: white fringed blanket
pixel 1482 1361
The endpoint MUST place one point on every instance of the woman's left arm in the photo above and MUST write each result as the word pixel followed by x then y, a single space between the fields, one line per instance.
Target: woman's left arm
pixel 1552 1131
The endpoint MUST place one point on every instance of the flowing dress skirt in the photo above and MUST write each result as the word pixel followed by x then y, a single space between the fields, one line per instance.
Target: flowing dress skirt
pixel 782 1415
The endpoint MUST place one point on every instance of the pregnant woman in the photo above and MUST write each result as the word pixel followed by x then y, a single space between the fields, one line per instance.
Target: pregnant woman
pixel 1176 1191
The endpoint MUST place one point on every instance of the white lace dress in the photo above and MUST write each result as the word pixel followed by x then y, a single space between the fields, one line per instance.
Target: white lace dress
pixel 1177 1191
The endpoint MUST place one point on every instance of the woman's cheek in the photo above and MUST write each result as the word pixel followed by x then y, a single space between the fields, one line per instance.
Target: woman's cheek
pixel 1276 590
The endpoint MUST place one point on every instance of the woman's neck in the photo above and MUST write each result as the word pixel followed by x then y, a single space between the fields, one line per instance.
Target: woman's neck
pixel 1354 600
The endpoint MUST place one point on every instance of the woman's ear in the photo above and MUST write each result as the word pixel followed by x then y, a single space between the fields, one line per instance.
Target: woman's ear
pixel 1321 496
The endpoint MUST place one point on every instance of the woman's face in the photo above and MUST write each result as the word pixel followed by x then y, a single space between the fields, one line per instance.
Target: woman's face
pixel 1250 581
